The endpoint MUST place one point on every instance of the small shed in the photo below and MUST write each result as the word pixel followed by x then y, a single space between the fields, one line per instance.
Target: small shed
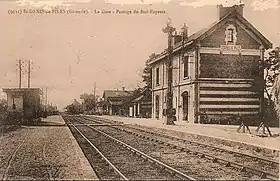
pixel 26 101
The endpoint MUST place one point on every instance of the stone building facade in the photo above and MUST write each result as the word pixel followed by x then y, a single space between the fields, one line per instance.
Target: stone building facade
pixel 215 71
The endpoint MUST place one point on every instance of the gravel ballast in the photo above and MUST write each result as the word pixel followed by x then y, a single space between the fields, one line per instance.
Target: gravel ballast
pixel 43 152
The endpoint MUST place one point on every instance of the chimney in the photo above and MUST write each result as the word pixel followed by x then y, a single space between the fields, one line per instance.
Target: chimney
pixel 185 32
pixel 123 88
pixel 223 11
pixel 177 39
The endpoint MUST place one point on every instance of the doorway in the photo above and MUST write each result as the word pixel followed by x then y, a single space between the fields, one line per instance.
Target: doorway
pixel 185 96
pixel 157 107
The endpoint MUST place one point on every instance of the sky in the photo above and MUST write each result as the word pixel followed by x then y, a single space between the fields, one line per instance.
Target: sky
pixel 69 52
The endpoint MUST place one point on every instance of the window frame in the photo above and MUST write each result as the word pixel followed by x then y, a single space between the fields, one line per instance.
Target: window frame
pixel 230 35
pixel 157 76
pixel 186 67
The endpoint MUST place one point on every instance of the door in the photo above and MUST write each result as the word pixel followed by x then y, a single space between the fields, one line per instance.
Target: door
pixel 157 107
pixel 185 96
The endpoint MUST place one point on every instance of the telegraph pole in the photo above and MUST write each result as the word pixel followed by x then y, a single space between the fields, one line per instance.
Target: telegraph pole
pixel 29 76
pixel 20 70
pixel 46 101
pixel 169 115
pixel 94 90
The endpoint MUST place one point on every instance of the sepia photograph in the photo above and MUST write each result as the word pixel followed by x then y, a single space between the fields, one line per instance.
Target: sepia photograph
pixel 140 89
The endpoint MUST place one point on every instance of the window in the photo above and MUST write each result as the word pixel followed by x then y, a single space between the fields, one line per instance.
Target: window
pixel 157 76
pixel 186 66
pixel 164 73
pixel 14 105
pixel 230 35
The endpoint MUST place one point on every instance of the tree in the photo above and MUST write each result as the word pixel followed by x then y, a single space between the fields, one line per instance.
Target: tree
pixel 273 80
pixel 3 109
pixel 270 86
pixel 74 108
pixel 147 72
pixel 3 105
pixel 271 68
pixel 89 101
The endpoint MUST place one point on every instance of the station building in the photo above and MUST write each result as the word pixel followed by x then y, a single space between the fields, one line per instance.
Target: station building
pixel 24 101
pixel 114 101
pixel 215 72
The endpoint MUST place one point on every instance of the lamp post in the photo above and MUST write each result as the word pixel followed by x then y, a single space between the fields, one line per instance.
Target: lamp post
pixel 169 115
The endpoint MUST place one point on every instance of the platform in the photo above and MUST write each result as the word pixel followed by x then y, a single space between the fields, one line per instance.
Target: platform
pixel 45 152
pixel 225 132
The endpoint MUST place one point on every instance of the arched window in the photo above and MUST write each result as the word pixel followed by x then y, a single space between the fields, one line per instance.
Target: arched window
pixel 186 66
pixel 185 96
pixel 157 106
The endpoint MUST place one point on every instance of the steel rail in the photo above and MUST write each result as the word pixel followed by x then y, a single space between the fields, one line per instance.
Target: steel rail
pixel 210 146
pixel 203 144
pixel 82 124
pixel 103 156
pixel 180 174
pixel 172 170
pixel 263 174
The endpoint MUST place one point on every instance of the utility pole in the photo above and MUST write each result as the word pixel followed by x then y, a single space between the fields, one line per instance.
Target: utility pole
pixel 46 100
pixel 169 115
pixel 277 56
pixel 184 35
pixel 94 94
pixel 29 76
pixel 20 72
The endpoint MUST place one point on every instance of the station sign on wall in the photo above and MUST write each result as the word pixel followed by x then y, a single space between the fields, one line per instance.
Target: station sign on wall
pixel 226 48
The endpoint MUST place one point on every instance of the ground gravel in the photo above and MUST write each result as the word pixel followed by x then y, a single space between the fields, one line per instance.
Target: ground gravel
pixel 42 153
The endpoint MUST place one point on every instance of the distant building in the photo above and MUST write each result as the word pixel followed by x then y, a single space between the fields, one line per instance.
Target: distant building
pixel 114 102
pixel 141 106
pixel 26 101
pixel 216 72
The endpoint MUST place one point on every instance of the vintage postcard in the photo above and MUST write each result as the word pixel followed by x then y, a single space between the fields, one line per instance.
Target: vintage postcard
pixel 139 89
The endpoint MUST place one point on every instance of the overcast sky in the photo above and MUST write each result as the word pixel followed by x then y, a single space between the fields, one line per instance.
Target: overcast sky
pixel 71 52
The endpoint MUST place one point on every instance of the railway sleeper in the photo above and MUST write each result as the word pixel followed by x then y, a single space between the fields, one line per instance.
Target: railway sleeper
pixel 263 175
pixel 243 169
pixel 202 156
pixel 228 164
pixel 145 159
pixel 151 161
pixel 214 160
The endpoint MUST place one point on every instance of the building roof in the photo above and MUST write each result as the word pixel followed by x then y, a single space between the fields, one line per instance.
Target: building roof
pixel 144 96
pixel 34 90
pixel 203 33
pixel 115 103
pixel 115 93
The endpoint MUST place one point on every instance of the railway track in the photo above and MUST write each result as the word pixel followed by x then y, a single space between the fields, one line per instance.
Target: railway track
pixel 120 160
pixel 260 166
